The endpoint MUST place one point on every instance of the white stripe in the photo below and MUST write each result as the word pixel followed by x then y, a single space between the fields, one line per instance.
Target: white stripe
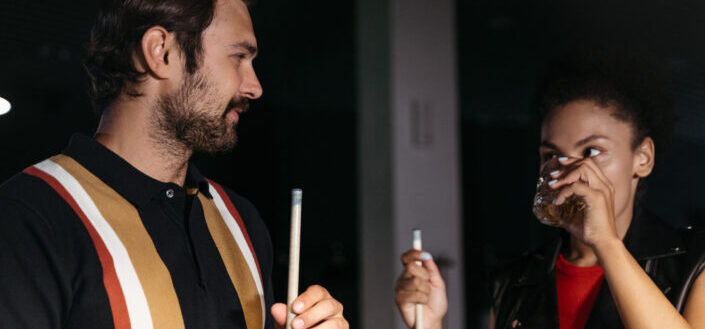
pixel 241 242
pixel 137 306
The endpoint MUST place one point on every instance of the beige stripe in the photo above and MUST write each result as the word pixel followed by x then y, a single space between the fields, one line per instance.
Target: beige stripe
pixel 235 264
pixel 125 221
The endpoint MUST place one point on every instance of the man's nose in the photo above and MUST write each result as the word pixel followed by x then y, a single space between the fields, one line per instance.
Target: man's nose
pixel 250 87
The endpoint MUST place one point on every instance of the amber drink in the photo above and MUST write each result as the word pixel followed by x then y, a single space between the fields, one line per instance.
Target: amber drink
pixel 545 210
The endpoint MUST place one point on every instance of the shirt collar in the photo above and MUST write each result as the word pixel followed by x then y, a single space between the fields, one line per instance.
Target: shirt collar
pixel 132 184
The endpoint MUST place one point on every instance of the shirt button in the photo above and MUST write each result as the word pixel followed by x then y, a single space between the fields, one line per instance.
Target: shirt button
pixel 170 193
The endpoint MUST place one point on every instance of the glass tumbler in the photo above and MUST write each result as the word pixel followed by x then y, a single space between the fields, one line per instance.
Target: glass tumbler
pixel 543 208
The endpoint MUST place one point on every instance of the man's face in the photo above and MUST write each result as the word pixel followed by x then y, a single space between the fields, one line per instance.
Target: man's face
pixel 203 111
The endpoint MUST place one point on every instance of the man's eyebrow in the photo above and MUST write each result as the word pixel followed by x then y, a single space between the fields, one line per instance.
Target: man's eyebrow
pixel 248 46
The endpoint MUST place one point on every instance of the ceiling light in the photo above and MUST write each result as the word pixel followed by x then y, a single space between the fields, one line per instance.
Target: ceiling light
pixel 4 106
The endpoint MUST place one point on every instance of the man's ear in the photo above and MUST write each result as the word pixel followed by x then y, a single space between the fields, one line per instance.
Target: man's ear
pixel 158 52
pixel 644 157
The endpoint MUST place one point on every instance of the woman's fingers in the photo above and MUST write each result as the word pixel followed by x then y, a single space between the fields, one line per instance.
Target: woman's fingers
pixel 415 270
pixel 577 188
pixel 413 255
pixel 590 163
pixel 586 171
pixel 411 297
pixel 413 284
pixel 429 270
pixel 434 274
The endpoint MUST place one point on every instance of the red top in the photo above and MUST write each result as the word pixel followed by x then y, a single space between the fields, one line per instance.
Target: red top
pixel 577 289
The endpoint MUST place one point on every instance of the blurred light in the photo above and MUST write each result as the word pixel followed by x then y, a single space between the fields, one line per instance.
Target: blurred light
pixel 4 106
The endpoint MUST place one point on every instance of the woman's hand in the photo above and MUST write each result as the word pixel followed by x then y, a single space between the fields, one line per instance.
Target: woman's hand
pixel 584 179
pixel 421 284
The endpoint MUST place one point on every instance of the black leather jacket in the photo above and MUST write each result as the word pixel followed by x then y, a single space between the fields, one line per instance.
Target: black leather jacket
pixel 524 292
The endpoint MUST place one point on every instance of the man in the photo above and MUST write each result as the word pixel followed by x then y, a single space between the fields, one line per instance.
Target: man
pixel 121 231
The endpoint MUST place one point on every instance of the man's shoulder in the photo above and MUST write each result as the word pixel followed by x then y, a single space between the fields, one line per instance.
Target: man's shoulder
pixel 29 204
pixel 26 189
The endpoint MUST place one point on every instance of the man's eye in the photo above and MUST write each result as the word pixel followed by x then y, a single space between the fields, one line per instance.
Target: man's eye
pixel 591 152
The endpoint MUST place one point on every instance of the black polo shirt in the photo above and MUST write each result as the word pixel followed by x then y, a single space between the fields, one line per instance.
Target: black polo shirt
pixel 50 274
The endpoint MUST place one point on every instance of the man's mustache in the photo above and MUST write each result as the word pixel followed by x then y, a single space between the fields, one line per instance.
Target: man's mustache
pixel 243 104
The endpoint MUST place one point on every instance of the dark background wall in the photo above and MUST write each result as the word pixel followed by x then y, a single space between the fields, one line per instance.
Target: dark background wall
pixel 503 46
pixel 301 133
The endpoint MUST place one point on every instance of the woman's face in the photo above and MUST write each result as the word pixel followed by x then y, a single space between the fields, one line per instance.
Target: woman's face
pixel 583 129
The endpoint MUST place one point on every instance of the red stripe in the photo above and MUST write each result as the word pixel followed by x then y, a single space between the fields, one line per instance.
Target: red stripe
pixel 238 219
pixel 118 305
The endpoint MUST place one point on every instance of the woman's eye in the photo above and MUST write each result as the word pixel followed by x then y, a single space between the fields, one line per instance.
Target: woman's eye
pixel 591 152
pixel 548 156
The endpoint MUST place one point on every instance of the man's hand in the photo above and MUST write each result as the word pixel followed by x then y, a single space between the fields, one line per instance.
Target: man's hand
pixel 315 308
pixel 421 284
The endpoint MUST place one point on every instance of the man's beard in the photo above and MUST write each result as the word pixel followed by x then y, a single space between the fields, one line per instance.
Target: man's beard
pixel 194 118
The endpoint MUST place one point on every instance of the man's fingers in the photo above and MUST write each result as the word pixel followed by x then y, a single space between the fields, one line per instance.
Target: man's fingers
pixel 337 323
pixel 279 313
pixel 309 298
pixel 321 311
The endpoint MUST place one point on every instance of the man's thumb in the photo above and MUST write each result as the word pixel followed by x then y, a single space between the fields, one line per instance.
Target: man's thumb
pixel 279 313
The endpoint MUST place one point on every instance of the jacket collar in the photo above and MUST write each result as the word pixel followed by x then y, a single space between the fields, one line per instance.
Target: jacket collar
pixel 648 237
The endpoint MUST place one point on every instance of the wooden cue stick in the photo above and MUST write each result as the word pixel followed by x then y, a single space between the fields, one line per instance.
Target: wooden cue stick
pixel 419 307
pixel 294 247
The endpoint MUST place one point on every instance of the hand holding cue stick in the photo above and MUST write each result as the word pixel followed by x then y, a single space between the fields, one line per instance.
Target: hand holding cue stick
pixel 419 308
pixel 294 246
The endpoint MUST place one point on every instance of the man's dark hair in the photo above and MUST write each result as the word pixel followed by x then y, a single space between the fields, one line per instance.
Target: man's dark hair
pixel 117 35
pixel 636 87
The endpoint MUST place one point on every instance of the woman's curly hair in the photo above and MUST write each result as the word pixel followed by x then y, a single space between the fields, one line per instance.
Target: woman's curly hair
pixel 636 88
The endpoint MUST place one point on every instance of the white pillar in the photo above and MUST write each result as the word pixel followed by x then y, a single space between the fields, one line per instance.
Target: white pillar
pixel 408 149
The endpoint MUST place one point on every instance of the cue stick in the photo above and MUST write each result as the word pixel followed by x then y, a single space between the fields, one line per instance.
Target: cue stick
pixel 294 246
pixel 418 307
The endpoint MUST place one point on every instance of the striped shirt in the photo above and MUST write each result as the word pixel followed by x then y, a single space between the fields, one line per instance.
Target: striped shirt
pixel 88 241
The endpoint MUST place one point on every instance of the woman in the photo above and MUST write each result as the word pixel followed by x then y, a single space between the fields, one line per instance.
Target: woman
pixel 616 266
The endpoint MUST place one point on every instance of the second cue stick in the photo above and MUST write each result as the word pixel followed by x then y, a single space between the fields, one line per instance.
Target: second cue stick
pixel 418 307
pixel 294 246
